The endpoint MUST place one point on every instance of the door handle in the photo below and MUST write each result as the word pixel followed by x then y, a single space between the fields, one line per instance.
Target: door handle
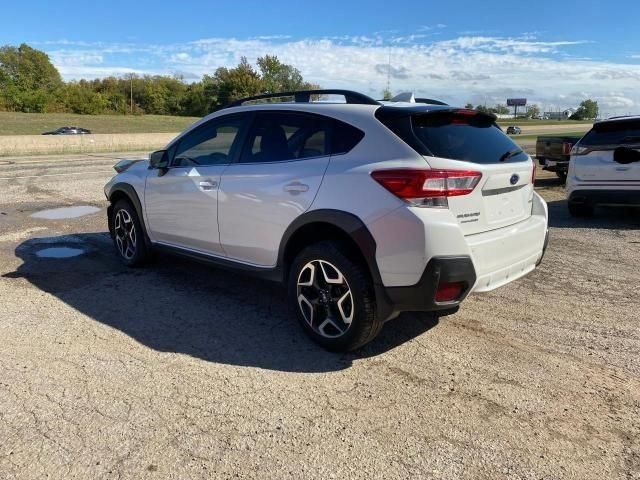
pixel 208 185
pixel 295 188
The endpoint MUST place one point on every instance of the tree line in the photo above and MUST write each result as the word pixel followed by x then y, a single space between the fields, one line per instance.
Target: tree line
pixel 29 82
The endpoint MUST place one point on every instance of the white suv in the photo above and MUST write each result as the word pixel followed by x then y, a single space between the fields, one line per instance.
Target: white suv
pixel 365 209
pixel 605 166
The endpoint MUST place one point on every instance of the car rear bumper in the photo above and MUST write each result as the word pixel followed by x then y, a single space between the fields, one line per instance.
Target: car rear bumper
pixel 605 197
pixel 486 261
pixel 422 296
pixel 504 255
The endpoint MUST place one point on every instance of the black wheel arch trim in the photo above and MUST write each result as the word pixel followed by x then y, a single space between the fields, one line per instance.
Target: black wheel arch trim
pixel 355 228
pixel 132 196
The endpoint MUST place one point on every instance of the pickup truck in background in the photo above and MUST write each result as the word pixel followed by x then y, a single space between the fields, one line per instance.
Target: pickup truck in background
pixel 554 152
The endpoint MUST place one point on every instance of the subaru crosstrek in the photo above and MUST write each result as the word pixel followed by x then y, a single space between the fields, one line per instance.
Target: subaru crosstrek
pixel 365 209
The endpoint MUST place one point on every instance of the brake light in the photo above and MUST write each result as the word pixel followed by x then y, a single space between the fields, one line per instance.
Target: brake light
pixel 579 150
pixel 427 188
pixel 449 291
pixel 566 148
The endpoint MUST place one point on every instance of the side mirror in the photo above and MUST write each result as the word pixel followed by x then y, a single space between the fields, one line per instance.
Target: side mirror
pixel 159 160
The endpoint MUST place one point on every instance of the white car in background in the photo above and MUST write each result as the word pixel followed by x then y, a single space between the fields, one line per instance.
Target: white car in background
pixel 365 209
pixel 605 166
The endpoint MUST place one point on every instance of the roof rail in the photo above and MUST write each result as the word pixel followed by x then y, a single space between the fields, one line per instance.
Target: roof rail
pixel 304 96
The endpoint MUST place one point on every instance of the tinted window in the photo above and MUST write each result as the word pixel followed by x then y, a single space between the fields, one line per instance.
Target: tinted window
pixel 209 144
pixel 276 137
pixel 613 133
pixel 344 137
pixel 471 138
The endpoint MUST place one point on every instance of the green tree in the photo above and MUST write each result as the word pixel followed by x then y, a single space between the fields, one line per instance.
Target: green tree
pixel 28 79
pixel 588 110
pixel 235 83
pixel 533 111
pixel 280 77
pixel 500 109
pixel 386 94
pixel 469 106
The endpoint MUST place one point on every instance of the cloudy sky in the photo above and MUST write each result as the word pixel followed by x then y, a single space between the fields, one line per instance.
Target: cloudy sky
pixel 553 53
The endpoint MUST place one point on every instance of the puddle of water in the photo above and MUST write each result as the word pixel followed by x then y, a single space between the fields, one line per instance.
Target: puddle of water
pixel 59 252
pixel 66 212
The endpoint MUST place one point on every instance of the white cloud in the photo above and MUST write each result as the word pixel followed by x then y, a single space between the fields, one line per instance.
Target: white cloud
pixel 468 68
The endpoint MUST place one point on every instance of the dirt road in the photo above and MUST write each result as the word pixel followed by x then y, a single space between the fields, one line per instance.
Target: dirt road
pixel 183 371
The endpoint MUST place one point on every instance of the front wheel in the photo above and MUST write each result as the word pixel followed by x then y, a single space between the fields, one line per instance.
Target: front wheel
pixel 332 298
pixel 128 237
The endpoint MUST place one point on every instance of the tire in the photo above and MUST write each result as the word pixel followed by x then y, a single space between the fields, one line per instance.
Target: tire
pixel 333 298
pixel 562 176
pixel 128 235
pixel 581 210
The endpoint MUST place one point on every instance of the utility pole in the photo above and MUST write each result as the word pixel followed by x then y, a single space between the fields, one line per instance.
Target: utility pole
pixel 131 91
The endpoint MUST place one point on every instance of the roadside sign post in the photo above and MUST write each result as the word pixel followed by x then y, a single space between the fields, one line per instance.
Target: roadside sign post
pixel 515 103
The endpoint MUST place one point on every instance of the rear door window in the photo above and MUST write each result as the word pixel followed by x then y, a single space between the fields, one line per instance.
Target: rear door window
pixel 283 136
pixel 286 136
pixel 468 137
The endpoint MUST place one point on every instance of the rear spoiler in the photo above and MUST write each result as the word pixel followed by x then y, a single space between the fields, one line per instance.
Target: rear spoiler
pixel 408 97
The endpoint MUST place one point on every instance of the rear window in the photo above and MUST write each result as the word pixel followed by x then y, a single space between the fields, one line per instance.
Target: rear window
pixel 613 133
pixel 466 137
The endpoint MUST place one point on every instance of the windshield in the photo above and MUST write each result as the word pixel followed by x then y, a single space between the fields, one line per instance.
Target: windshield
pixel 471 138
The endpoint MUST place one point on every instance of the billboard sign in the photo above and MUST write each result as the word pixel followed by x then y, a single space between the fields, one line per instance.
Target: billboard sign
pixel 516 102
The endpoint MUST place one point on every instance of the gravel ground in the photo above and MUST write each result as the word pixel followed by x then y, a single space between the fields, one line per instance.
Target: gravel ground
pixel 175 371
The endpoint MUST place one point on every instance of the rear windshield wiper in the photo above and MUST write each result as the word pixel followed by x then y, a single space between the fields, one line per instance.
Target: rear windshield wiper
pixel 509 154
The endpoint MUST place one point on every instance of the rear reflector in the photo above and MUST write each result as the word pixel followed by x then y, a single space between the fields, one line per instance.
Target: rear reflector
pixel 449 291
pixel 416 185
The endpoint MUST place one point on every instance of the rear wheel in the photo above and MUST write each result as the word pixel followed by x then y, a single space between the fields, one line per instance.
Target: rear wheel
pixel 332 298
pixel 581 209
pixel 128 237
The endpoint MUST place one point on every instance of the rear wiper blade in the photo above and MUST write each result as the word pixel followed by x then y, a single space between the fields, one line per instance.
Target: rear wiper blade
pixel 509 154
pixel 631 138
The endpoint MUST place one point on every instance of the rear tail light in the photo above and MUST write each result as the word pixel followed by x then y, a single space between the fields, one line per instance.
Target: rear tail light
pixel 427 188
pixel 578 150
pixel 566 148
pixel 449 291
pixel 533 174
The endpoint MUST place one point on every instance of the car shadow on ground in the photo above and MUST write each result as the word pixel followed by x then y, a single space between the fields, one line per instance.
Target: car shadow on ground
pixel 609 218
pixel 177 305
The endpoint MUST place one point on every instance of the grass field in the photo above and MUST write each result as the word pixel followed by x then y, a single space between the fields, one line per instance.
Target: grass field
pixel 36 123
pixel 529 123
pixel 534 137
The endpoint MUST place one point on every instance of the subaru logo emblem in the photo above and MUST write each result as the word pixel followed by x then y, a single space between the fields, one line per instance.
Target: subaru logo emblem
pixel 514 178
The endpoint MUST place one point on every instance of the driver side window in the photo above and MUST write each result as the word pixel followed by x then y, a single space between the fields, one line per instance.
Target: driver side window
pixel 210 144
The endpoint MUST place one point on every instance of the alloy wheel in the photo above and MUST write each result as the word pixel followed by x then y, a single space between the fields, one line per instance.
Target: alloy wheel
pixel 325 298
pixel 125 234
